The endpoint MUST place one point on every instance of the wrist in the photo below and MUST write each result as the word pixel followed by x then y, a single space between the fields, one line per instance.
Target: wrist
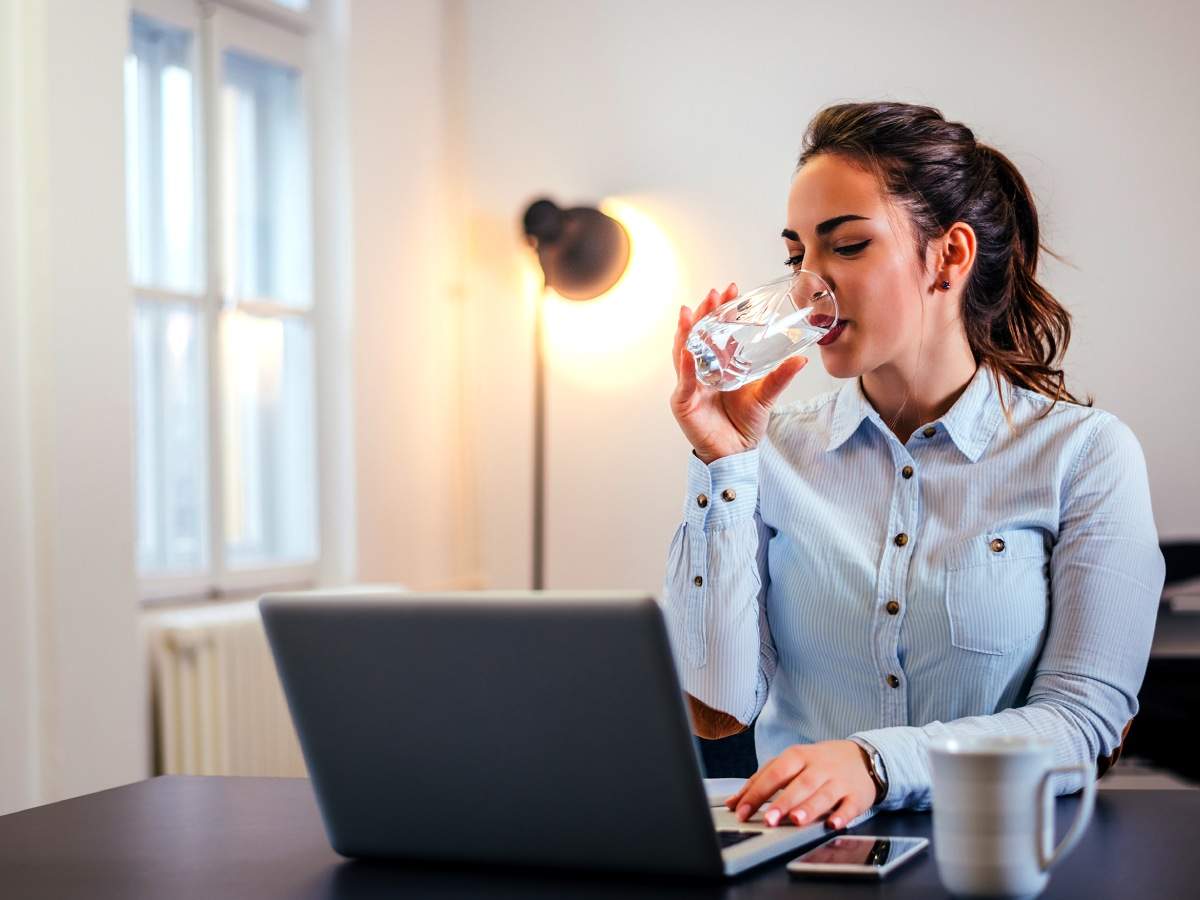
pixel 708 459
pixel 873 763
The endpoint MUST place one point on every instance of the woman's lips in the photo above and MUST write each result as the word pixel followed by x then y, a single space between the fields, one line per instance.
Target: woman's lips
pixel 834 333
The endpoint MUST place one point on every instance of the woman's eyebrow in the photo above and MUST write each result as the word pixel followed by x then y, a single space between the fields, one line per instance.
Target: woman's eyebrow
pixel 825 227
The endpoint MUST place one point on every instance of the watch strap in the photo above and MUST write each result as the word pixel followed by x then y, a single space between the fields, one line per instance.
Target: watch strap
pixel 875 767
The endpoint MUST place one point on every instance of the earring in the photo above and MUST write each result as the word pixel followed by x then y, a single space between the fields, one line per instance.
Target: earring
pixel 945 285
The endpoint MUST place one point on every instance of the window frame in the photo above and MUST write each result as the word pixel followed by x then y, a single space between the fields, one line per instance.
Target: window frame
pixel 281 35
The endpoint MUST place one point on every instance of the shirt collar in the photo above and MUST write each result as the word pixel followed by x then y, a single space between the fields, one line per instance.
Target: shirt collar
pixel 970 422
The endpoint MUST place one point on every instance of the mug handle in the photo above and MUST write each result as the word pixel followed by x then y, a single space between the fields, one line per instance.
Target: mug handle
pixel 1047 859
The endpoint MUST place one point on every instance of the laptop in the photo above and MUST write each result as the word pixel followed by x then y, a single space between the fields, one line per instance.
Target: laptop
pixel 542 728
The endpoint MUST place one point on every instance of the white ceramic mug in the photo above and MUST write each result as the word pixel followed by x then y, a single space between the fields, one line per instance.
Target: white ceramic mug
pixel 993 814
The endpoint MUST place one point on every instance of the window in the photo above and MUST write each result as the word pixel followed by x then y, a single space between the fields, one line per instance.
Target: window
pixel 220 260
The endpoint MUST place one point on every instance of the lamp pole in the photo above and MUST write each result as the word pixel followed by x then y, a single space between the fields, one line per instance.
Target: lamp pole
pixel 539 446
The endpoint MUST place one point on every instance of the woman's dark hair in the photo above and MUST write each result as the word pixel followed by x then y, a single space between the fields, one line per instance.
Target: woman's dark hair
pixel 940 174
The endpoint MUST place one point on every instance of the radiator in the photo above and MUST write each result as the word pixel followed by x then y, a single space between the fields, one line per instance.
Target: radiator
pixel 218 707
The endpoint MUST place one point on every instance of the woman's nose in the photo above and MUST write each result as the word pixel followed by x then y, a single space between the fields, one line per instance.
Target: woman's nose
pixel 825 277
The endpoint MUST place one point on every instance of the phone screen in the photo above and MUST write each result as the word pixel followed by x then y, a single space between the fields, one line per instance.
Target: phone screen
pixel 849 849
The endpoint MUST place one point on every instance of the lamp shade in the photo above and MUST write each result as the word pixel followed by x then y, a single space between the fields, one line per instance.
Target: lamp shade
pixel 582 251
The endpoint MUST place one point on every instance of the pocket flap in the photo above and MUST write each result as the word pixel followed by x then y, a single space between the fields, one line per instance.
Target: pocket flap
pixel 992 547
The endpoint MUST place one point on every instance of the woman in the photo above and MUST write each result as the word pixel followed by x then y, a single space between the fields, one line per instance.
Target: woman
pixel 949 544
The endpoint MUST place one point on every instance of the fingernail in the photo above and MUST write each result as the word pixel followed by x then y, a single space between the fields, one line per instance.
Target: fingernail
pixel 731 286
pixel 799 815
pixel 836 823
pixel 772 817
pixel 743 811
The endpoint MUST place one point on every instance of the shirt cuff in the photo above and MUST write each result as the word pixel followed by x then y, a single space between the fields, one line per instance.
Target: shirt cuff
pixel 723 492
pixel 904 751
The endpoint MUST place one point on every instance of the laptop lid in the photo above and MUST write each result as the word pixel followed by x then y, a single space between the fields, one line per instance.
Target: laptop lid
pixel 521 727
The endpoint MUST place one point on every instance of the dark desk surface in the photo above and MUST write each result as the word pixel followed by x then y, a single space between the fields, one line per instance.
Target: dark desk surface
pixel 194 837
pixel 1177 635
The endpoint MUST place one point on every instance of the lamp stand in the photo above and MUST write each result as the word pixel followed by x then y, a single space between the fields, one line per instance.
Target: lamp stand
pixel 539 446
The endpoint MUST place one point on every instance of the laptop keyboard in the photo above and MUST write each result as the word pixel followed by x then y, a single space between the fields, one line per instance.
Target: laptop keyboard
pixel 729 837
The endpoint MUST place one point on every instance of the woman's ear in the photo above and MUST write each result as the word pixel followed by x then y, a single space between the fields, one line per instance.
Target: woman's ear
pixel 957 253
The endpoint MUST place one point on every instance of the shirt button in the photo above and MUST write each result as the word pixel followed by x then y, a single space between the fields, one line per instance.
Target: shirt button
pixel 901 539
pixel 698 580
pixel 728 494
pixel 907 471
pixel 702 501
pixel 997 544
pixel 929 431
pixel 893 681
pixel 893 607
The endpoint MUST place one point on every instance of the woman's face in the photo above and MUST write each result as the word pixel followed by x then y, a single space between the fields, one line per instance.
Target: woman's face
pixel 869 263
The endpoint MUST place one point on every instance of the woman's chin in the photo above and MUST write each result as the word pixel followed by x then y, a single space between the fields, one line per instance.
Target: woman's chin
pixel 839 364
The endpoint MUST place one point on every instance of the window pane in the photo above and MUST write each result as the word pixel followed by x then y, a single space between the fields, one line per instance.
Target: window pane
pixel 172 436
pixel 161 158
pixel 269 454
pixel 267 252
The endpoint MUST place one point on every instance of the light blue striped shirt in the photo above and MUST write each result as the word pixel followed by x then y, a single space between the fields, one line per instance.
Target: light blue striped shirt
pixel 978 578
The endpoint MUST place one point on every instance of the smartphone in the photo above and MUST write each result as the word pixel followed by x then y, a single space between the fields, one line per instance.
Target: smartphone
pixel 861 855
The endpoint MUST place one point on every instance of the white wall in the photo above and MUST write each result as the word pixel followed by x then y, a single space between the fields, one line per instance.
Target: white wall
pixel 698 110
pixel 333 270
pixel 18 749
pixel 71 675
pixel 412 491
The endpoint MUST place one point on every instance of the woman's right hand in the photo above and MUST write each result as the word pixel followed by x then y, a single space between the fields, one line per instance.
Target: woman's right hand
pixel 721 423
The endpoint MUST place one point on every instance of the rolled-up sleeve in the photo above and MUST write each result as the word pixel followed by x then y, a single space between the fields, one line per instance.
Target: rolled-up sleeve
pixel 1107 575
pixel 714 594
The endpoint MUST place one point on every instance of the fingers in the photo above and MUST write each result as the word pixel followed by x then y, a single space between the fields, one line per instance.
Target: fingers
pixel 736 799
pixel 767 781
pixel 842 814
pixel 769 388
pixel 799 789
pixel 687 319
pixel 685 365
pixel 713 300
pixel 802 784
pixel 803 801
pixel 682 326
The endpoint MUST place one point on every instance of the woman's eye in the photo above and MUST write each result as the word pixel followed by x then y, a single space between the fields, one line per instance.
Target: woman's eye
pixel 845 251
pixel 852 248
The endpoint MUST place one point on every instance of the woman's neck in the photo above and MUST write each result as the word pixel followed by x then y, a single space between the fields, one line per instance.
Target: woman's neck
pixel 908 396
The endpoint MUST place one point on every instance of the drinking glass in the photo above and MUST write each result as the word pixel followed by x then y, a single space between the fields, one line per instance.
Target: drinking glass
pixel 749 336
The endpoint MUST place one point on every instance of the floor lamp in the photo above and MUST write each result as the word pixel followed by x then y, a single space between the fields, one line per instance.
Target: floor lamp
pixel 582 253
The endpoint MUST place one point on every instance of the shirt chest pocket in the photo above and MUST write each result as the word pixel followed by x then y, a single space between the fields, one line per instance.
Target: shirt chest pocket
pixel 997 590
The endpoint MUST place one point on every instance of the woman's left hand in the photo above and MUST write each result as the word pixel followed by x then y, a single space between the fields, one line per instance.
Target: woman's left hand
pixel 816 778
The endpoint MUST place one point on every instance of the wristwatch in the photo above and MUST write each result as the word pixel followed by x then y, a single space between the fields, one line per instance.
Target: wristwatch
pixel 876 768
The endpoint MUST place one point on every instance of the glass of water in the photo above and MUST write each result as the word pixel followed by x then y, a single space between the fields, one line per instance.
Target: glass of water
pixel 748 337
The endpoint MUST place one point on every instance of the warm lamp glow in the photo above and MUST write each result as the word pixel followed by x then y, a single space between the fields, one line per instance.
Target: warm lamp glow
pixel 616 339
